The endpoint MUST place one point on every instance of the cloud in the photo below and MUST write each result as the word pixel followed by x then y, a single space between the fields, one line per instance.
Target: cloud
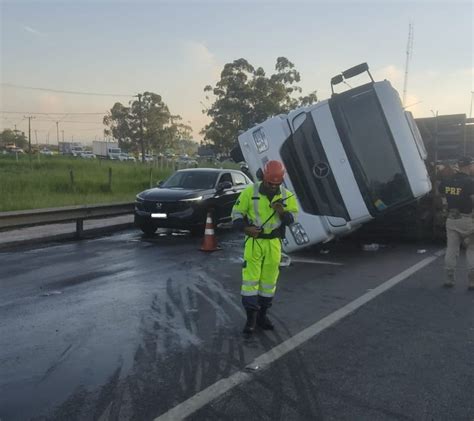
pixel 49 103
pixel 390 72
pixel 201 58
pixel 413 104
pixel 31 30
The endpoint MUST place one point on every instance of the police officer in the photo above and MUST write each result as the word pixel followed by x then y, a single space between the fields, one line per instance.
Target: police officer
pixel 262 211
pixel 458 193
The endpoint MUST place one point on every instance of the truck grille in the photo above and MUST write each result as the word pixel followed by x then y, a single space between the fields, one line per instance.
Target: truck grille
pixel 310 172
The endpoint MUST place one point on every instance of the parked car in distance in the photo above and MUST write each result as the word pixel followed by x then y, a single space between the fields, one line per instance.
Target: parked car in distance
pixel 15 151
pixel 87 155
pixel 46 151
pixel 126 157
pixel 186 162
pixel 183 200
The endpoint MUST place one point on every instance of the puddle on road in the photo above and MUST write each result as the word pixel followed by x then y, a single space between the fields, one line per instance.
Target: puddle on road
pixel 49 293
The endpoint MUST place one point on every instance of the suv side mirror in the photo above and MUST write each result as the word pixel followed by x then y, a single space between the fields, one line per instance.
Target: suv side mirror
pixel 225 185
pixel 159 183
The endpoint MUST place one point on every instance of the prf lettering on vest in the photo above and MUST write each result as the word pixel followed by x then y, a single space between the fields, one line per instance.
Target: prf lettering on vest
pixel 454 191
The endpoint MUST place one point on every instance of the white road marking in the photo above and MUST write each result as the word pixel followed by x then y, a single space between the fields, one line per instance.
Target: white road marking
pixel 202 398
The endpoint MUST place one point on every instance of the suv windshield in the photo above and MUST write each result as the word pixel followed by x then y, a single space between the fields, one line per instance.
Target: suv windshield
pixel 369 145
pixel 194 180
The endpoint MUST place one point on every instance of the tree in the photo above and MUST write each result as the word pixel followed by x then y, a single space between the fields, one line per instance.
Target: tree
pixel 161 129
pixel 13 137
pixel 245 96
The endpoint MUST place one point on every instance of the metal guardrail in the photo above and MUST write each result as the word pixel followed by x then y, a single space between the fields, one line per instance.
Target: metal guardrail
pixel 28 218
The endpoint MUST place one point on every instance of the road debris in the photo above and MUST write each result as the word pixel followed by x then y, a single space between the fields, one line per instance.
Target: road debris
pixel 371 247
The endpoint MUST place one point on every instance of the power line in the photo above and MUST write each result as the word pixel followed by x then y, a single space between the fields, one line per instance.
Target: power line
pixel 74 121
pixel 29 112
pixel 11 85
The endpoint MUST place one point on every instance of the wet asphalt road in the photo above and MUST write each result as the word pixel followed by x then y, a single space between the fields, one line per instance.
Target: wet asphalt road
pixel 126 328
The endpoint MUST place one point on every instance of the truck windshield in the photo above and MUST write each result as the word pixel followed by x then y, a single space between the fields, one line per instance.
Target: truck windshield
pixel 370 147
pixel 114 151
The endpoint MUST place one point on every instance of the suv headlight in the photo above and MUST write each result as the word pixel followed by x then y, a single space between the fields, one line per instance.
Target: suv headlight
pixel 139 199
pixel 193 199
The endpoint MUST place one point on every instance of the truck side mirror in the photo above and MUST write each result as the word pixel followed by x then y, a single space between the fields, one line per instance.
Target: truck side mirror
pixel 159 183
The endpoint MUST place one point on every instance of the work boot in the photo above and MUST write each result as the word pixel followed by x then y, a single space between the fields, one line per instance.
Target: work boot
pixel 450 278
pixel 263 321
pixel 470 277
pixel 249 327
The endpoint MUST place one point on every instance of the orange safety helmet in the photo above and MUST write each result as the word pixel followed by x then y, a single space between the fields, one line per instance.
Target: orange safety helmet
pixel 273 172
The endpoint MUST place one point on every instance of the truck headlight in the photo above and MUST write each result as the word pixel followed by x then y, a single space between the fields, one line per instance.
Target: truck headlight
pixel 260 140
pixel 299 234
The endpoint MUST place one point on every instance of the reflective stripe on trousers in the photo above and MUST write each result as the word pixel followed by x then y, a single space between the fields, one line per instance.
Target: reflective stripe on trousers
pixel 261 267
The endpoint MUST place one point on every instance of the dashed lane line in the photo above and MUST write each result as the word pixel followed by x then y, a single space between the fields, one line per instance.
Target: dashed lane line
pixel 205 396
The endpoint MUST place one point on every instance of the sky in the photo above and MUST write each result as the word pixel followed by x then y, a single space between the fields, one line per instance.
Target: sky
pixel 175 48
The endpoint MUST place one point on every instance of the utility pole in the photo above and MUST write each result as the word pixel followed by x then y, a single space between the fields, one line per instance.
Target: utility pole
pixel 29 134
pixel 408 57
pixel 37 148
pixel 141 126
pixel 62 132
pixel 57 133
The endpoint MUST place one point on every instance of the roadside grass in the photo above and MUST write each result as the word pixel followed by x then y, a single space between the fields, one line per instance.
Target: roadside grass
pixel 56 181
pixel 63 181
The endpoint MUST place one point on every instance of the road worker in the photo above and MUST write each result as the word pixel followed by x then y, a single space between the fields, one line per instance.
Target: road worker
pixel 262 211
pixel 458 193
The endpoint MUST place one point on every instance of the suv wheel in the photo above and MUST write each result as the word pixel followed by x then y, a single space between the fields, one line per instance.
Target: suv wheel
pixel 148 230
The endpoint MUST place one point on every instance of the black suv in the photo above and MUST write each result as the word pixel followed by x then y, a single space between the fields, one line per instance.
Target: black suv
pixel 183 200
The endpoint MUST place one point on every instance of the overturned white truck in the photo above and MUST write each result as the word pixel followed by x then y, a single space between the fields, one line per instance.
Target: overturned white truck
pixel 349 159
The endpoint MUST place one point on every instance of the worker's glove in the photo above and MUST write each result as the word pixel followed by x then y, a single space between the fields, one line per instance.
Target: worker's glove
pixel 278 208
pixel 252 231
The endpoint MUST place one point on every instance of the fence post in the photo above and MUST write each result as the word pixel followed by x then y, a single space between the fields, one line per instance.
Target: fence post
pixel 79 228
pixel 71 177
pixel 110 178
pixel 151 175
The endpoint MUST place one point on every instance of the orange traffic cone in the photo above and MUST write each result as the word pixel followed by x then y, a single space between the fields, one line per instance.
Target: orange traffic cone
pixel 209 242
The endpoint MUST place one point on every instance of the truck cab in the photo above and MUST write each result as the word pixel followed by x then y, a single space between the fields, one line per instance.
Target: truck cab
pixel 348 159
pixel 113 153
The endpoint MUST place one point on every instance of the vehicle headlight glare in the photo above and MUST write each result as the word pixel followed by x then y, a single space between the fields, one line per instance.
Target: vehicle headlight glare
pixel 193 199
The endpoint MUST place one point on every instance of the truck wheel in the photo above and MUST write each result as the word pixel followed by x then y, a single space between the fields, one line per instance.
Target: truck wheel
pixel 148 230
